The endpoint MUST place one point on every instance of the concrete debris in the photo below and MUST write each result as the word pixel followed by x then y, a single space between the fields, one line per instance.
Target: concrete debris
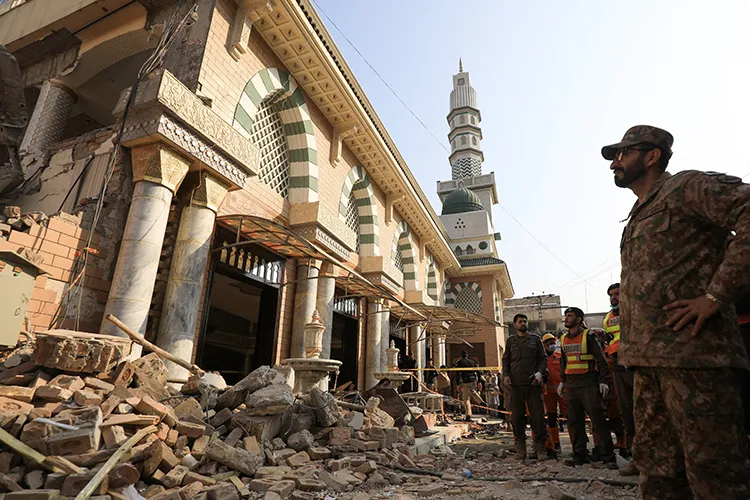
pixel 80 400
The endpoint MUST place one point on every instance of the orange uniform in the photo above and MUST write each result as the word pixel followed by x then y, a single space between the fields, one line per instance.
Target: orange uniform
pixel 552 401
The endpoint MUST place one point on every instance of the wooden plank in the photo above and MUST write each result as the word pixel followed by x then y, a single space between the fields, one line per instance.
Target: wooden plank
pixel 113 460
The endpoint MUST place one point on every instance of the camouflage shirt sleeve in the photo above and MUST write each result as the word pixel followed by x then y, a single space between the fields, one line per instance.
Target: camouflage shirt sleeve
pixel 724 201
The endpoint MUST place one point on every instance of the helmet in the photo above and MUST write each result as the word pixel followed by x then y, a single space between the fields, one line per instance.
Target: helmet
pixel 548 336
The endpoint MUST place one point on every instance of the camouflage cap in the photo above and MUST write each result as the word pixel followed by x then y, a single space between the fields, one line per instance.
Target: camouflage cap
pixel 638 135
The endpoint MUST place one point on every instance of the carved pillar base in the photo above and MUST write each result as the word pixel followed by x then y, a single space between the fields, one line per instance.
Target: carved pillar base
pixel 185 284
pixel 157 172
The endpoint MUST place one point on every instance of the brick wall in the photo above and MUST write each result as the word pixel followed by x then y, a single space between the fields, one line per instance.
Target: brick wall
pixel 58 242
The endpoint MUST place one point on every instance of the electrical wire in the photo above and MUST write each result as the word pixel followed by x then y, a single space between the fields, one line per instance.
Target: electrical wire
pixel 78 272
pixel 380 77
pixel 441 143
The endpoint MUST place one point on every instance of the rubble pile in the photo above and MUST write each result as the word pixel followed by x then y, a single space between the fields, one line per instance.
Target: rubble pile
pixel 88 422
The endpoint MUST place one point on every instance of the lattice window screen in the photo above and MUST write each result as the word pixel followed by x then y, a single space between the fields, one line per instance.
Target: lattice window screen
pixel 398 261
pixel 468 300
pixel 352 217
pixel 267 134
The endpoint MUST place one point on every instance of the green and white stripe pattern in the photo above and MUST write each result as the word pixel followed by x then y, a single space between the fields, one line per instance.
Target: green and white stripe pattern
pixel 279 85
pixel 404 246
pixel 469 291
pixel 358 182
pixel 432 281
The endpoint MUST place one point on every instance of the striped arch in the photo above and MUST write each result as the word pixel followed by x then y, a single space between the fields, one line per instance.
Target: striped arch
pixel 432 280
pixel 277 85
pixel 466 295
pixel 404 247
pixel 358 182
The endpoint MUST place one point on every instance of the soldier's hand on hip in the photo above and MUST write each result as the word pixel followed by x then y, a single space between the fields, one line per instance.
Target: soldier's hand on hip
pixel 698 309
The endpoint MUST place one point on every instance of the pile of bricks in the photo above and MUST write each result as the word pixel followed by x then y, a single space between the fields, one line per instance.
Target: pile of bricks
pixel 199 442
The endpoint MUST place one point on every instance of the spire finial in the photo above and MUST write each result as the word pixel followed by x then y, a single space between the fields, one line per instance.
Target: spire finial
pixel 460 65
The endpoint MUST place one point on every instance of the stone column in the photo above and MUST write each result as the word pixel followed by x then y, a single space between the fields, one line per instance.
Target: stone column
pixel 324 304
pixel 435 348
pixel 443 352
pixel 417 347
pixel 305 299
pixel 157 172
pixel 49 119
pixel 373 338
pixel 185 283
pixel 385 335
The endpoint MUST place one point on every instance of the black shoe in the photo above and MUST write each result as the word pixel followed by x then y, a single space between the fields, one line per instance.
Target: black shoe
pixel 626 453
pixel 551 454
pixel 577 461
pixel 558 448
pixel 611 465
pixel 594 455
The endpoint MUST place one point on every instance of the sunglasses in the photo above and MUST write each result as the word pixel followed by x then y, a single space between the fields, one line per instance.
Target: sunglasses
pixel 622 152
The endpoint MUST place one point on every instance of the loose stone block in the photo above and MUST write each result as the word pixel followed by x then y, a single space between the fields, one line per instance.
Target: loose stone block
pixel 35 494
pixel 114 436
pixel 74 483
pixel 250 444
pixel 175 476
pixel 190 430
pixel 235 458
pixel 270 400
pixel 298 459
pixel 282 488
pixel 53 393
pixel 84 397
pixel 122 475
pixel 74 442
pixel 25 394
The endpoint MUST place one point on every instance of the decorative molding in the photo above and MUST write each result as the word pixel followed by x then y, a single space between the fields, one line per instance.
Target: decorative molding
pixel 164 106
pixel 423 247
pixel 378 265
pixel 248 12
pixel 318 235
pixel 299 38
pixel 207 190
pixel 390 201
pixel 340 133
pixel 159 164
pixel 306 215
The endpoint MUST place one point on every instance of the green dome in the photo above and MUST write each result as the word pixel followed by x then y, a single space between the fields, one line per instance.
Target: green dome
pixel 461 200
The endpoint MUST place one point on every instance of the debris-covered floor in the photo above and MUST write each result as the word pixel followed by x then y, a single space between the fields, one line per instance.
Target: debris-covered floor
pixel 79 421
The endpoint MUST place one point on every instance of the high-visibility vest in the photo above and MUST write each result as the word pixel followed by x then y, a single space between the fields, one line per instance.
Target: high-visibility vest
pixel 611 325
pixel 577 353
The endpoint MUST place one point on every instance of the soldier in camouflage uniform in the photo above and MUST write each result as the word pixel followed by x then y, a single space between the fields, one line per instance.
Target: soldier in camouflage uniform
pixel 678 324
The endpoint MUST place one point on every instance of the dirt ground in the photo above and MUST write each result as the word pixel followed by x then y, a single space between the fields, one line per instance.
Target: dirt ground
pixel 488 453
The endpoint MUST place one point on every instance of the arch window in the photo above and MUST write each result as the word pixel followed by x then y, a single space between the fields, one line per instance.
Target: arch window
pixel 474 141
pixel 267 133
pixel 463 140
pixel 459 251
pixel 352 217
pixel 463 118
pixel 469 250
pixel 474 119
pixel 468 300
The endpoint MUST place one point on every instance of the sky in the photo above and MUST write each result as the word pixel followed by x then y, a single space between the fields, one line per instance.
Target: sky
pixel 555 82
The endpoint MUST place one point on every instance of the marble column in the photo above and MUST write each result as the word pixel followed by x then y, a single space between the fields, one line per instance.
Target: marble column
pixel 305 301
pixel 385 335
pixel 443 354
pixel 324 304
pixel 177 328
pixel 373 338
pixel 435 349
pixel 49 119
pixel 417 347
pixel 157 172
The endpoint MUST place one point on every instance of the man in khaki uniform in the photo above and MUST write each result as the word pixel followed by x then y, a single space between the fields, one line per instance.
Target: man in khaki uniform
pixel 678 325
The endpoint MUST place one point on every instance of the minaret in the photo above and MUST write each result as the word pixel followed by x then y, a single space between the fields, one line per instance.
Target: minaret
pixel 465 135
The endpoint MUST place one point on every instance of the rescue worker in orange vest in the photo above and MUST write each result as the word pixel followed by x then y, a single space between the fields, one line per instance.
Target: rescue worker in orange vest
pixel 553 401
pixel 623 377
pixel 584 375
